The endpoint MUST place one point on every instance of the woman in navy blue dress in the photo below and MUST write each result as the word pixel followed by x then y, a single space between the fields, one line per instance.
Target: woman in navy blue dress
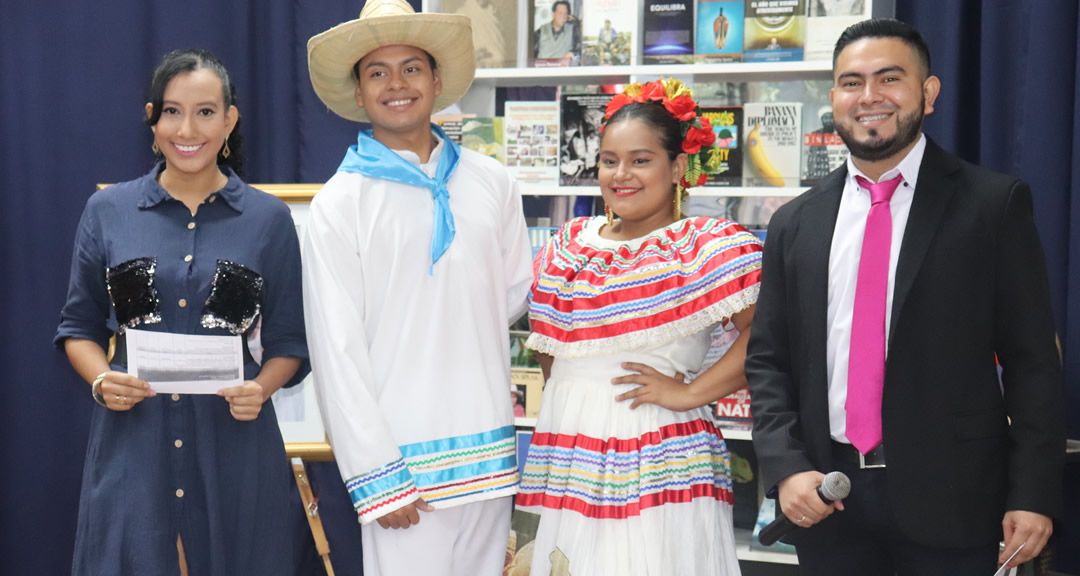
pixel 176 483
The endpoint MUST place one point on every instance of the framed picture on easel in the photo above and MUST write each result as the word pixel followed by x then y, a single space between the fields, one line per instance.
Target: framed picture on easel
pixel 297 409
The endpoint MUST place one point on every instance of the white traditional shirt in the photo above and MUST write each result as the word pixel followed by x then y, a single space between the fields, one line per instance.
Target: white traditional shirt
pixel 412 363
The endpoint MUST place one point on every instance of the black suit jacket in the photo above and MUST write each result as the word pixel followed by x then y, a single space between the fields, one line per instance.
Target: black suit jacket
pixel 970 283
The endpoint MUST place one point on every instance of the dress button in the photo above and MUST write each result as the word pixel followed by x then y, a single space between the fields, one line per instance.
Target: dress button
pixel 179 443
pixel 175 397
pixel 187 258
pixel 179 492
pixel 212 198
pixel 191 226
pixel 182 303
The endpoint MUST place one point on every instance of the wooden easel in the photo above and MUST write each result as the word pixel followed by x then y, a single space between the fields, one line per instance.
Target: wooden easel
pixel 314 452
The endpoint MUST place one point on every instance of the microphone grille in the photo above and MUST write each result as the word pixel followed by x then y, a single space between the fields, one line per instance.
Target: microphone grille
pixel 836 486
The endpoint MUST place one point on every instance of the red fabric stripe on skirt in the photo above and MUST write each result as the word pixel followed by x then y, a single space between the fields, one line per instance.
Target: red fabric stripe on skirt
pixel 625 510
pixel 668 432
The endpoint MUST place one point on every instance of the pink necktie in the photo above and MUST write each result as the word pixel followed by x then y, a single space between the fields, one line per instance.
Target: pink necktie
pixel 866 364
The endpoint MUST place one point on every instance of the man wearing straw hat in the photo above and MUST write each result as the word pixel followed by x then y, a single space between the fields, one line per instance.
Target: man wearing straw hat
pixel 416 259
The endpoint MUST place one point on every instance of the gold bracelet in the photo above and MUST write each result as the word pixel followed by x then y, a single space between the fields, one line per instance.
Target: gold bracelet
pixel 95 389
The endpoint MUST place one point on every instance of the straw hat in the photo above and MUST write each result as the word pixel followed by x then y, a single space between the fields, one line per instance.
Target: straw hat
pixel 332 54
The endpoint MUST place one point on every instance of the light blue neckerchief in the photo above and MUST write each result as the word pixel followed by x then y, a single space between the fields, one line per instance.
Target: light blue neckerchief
pixel 372 158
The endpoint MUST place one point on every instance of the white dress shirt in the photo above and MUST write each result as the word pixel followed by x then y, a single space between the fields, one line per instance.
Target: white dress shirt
pixel 844 269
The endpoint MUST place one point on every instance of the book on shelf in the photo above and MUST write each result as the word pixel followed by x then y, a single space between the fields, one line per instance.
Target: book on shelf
pixel 822 149
pixel 519 547
pixel 526 377
pixel 732 411
pixel 609 30
pixel 775 30
pixel 526 390
pixel 719 33
pixel 451 124
pixel 539 236
pixel 531 141
pixel 581 116
pixel 772 133
pixel 555 33
pixel 827 19
pixel 726 123
pixel 494 33
pixel 485 135
pixel 668 32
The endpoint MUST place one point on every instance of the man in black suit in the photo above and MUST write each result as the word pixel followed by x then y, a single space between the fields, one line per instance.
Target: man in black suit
pixel 950 458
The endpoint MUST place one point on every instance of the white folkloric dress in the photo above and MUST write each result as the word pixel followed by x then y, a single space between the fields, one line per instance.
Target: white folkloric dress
pixel 619 491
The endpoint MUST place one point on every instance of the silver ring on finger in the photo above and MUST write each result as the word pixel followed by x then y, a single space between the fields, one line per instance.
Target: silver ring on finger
pixel 801 520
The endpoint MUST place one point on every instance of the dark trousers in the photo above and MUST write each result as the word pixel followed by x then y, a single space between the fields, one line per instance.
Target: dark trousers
pixel 870 543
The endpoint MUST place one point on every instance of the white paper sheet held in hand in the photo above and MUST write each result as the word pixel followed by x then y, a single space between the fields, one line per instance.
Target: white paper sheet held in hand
pixel 185 363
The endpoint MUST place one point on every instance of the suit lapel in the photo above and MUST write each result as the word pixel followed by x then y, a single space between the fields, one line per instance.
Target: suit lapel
pixel 933 193
pixel 813 243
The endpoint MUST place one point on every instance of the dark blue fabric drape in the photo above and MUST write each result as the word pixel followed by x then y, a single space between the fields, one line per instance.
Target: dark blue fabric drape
pixel 73 82
pixel 1009 101
pixel 73 79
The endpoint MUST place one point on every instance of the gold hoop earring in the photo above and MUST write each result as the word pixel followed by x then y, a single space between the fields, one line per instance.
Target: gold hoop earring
pixel 225 152
pixel 610 216
pixel 155 148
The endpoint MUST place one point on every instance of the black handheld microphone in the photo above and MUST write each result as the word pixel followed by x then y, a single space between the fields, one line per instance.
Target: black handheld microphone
pixel 835 486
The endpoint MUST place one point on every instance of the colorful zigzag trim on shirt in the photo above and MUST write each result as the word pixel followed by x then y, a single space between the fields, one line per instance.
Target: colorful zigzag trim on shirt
pixel 461 468
pixel 675 282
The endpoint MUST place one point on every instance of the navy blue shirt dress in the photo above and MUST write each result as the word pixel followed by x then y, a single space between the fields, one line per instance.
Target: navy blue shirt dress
pixel 181 464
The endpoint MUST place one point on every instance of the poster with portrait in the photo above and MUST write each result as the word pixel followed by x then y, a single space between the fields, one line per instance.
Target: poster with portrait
pixel 495 33
pixel 581 116
pixel 555 33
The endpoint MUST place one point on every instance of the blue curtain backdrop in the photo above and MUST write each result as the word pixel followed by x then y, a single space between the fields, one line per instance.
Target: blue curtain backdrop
pixel 1009 101
pixel 73 81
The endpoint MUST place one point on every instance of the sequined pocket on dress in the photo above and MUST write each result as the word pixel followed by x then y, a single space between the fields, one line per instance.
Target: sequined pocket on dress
pixel 233 303
pixel 134 298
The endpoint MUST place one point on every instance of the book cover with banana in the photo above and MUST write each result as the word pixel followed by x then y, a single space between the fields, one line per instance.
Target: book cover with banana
pixel 772 143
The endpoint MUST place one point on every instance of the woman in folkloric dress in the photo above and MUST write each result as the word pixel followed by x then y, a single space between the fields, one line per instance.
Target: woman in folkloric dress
pixel 626 469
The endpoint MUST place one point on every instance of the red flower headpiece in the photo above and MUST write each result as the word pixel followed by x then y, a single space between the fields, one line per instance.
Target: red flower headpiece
pixel 677 98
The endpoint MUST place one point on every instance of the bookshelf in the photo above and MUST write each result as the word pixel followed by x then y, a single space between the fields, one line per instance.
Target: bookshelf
pixel 732 72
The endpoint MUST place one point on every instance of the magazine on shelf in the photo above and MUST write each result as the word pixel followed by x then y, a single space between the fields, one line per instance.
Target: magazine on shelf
pixel 775 30
pixel 668 32
pixel 726 123
pixel 772 133
pixel 485 135
pixel 451 124
pixel 539 236
pixel 526 389
pixel 828 19
pixel 555 33
pixel 719 33
pixel 531 141
pixel 495 34
pixel 822 149
pixel 581 116
pixel 519 547
pixel 609 31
